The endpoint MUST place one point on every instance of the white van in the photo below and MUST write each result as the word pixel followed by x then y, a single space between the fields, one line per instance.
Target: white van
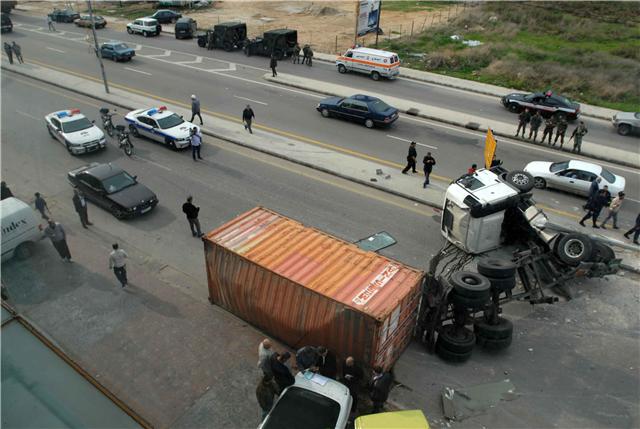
pixel 20 228
pixel 374 62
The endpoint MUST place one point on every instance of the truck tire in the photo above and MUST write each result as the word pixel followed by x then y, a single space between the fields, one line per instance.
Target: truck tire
pixel 202 42
pixel 494 345
pixel 458 340
pixel 375 75
pixel 521 180
pixel 474 303
pixel 574 248
pixel 470 284
pixel 503 329
pixel 130 31
pixel 502 285
pixel 496 268
pixel 450 356
pixel 601 253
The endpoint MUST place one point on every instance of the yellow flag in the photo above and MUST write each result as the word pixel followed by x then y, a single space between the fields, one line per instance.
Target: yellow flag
pixel 489 148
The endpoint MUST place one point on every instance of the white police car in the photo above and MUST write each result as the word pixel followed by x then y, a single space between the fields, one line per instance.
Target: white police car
pixel 75 131
pixel 161 125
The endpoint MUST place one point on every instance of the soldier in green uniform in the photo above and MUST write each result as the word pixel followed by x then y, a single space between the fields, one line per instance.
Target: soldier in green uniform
pixel 560 131
pixel 577 135
pixel 536 121
pixel 549 125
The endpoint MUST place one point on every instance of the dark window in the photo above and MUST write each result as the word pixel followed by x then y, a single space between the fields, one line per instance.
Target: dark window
pixel 608 176
pixel 55 123
pixel 118 182
pixel 379 106
pixel 349 54
pixel 170 121
pixel 145 121
pixel 585 175
pixel 558 166
pixel 77 125
pixel 302 408
pixel 91 181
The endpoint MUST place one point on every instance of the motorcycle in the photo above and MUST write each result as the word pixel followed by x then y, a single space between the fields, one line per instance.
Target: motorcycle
pixel 107 123
pixel 123 140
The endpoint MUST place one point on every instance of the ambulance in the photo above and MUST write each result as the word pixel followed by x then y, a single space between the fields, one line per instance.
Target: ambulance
pixel 374 62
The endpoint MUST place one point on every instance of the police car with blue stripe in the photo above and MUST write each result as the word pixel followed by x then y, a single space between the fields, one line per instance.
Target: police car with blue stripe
pixel 75 131
pixel 161 125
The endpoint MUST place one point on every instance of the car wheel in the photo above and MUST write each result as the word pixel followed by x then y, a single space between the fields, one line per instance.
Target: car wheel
pixel 624 129
pixel 145 34
pixel 117 212
pixel 130 31
pixel 342 69
pixel 513 107
pixel 521 180
pixel 68 146
pixel 574 248
pixel 539 183
pixel 133 130
pixel 375 75
pixel 560 116
pixel 368 123
pixel 23 251
pixel 325 113
pixel 172 144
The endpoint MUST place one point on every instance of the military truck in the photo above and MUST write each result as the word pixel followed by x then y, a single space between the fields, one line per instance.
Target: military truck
pixel 226 35
pixel 274 42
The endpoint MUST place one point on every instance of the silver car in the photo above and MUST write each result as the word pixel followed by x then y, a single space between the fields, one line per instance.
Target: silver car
pixel 626 122
pixel 573 176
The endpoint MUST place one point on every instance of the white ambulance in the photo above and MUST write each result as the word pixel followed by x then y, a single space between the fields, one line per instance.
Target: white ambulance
pixel 374 62
pixel 20 228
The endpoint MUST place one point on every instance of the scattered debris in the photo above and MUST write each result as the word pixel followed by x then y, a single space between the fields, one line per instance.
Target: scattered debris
pixel 459 404
pixel 472 43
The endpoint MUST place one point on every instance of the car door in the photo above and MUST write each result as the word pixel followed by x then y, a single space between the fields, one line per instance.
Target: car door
pixel 106 51
pixel 583 182
pixel 360 111
pixel 156 133
pixel 91 188
pixel 564 180
pixel 56 128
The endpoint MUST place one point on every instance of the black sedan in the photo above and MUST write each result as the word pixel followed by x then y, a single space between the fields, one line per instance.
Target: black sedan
pixel 364 109
pixel 64 15
pixel 165 16
pixel 112 188
pixel 548 104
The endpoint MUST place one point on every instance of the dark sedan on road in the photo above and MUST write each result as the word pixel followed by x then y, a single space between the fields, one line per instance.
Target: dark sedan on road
pixel 117 51
pixel 364 109
pixel 112 188
pixel 548 104
pixel 64 15
pixel 165 16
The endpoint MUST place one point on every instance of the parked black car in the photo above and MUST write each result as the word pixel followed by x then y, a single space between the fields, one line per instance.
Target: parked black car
pixel 112 188
pixel 117 51
pixel 64 15
pixel 370 111
pixel 7 25
pixel 185 28
pixel 226 35
pixel 165 16
pixel 277 42
pixel 548 104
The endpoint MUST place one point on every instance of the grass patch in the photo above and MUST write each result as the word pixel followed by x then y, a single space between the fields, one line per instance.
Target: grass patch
pixel 588 51
pixel 414 6
pixel 127 11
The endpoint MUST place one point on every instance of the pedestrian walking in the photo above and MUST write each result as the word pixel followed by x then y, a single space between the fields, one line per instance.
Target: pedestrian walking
pixel 55 232
pixel 264 354
pixel 9 51
pixel 561 131
pixel 327 363
pixel 50 23
pixel 17 50
pixel 80 204
pixel 536 121
pixel 635 230
pixel 352 377
pixel 41 206
pixel 309 56
pixel 296 54
pixel 247 117
pixel 613 210
pixel 523 119
pixel 5 191
pixel 549 125
pixel 196 143
pixel 411 159
pixel 379 388
pixel 265 392
pixel 428 162
pixel 118 263
pixel 594 207
pixel 305 53
pixel 195 108
pixel 472 169
pixel 273 63
pixel 578 133
pixel 281 372
pixel 192 212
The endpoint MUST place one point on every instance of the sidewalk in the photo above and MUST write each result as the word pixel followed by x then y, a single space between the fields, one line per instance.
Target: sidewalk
pixel 503 129
pixel 349 167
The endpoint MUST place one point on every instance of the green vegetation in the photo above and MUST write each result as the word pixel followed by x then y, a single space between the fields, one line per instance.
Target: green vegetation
pixel 127 10
pixel 587 51
pixel 413 6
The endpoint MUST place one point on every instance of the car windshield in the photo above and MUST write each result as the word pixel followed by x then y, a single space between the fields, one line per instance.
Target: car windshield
pixel 637 115
pixel 118 182
pixel 302 408
pixel 608 176
pixel 559 166
pixel 379 106
pixel 77 125
pixel 170 121
pixel 563 100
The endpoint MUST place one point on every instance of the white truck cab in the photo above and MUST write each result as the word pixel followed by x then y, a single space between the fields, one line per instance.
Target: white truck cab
pixel 374 62
pixel 21 228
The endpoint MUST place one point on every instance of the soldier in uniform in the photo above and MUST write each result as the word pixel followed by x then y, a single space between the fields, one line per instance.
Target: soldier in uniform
pixel 210 40
pixel 560 131
pixel 309 56
pixel 296 54
pixel 549 125
pixel 577 135
pixel 523 119
pixel 305 53
pixel 536 121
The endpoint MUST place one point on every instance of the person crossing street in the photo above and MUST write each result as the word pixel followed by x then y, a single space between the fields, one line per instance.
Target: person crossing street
pixel 195 109
pixel 118 263
pixel 9 51
pixel 613 210
pixel 247 117
pixel 411 159
pixel 56 233
pixel 635 231
pixel 41 206
pixel 80 204
pixel 50 23
pixel 428 163
pixel 191 211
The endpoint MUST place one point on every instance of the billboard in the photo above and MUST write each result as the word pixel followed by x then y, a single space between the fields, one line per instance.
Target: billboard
pixel 368 16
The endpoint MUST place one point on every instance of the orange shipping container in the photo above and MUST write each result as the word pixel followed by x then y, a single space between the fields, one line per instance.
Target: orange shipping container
pixel 306 287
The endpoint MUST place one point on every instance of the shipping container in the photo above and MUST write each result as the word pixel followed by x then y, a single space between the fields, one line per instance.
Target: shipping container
pixel 305 287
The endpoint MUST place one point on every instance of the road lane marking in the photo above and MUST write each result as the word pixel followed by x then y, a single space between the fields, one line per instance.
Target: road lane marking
pixel 249 99
pixel 55 50
pixel 27 115
pixel 409 141
pixel 166 53
pixel 196 61
pixel 137 71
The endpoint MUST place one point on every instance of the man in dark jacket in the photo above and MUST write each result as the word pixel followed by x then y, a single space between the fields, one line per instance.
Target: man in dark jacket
pixel 536 121
pixel 296 54
pixel 379 388
pixel 523 119
pixel 578 133
pixel 247 117
pixel 411 159
pixel 265 392
pixel 428 163
pixel 352 377
pixel 635 231
pixel 327 363
pixel 5 191
pixel 192 212
pixel 195 108
pixel 305 53
pixel 307 358
pixel 9 51
pixel 595 206
pixel 593 190
pixel 80 204
pixel 549 125
pixel 560 131
pixel 273 63
pixel 280 370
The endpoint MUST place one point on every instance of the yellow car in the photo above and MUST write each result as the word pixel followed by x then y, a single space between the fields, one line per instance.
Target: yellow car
pixel 410 419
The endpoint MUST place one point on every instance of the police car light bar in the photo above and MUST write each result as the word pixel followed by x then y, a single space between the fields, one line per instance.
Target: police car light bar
pixel 74 112
pixel 62 114
pixel 162 108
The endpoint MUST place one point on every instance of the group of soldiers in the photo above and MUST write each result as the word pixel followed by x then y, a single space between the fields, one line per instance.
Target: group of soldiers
pixel 12 49
pixel 553 122
pixel 307 55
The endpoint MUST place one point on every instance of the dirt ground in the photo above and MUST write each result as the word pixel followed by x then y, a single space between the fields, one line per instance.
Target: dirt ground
pixel 329 26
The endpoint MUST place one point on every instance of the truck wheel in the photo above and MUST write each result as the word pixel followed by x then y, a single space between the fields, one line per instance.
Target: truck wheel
pixel 457 340
pixel 502 285
pixel 539 183
pixel 494 345
pixel 130 31
pixel 522 180
pixel 601 253
pixel 375 75
pixel 470 284
pixel 23 251
pixel 624 129
pixel 496 268
pixel 325 113
pixel 462 301
pixel 342 69
pixel 227 46
pixel 368 123
pixel 201 42
pixel 574 248
pixel 503 329
pixel 133 130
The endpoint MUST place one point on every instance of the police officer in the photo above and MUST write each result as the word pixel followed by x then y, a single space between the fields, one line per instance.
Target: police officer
pixel 577 135
pixel 560 131
pixel 536 121
pixel 549 125
pixel 523 119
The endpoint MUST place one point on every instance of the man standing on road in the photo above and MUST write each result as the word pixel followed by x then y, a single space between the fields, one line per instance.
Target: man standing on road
pixel 309 56
pixel 536 121
pixel 523 119
pixel 55 232
pixel 635 230
pixel 195 109
pixel 594 207
pixel 118 262
pixel 80 204
pixel 577 135
pixel 196 143
pixel 428 163
pixel 614 208
pixel 305 53
pixel 411 159
pixel 351 377
pixel 41 206
pixel 549 125
pixel 327 363
pixel 50 23
pixel 296 54
pixel 5 191
pixel 192 216
pixel 9 51
pixel 247 117
pixel 379 388
pixel 18 51
pixel 273 63
pixel 560 131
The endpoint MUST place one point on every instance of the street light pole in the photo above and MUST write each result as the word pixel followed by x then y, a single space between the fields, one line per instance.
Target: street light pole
pixel 95 43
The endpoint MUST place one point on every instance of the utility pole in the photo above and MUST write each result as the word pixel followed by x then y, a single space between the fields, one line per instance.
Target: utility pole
pixel 95 43
pixel 378 23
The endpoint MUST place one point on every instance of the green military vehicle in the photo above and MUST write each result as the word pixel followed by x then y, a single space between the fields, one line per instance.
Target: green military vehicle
pixel 277 42
pixel 226 35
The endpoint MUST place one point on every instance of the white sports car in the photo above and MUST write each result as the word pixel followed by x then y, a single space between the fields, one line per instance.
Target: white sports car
pixel 75 131
pixel 161 125
pixel 573 176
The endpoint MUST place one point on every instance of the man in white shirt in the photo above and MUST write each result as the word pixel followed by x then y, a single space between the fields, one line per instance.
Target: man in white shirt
pixel 117 262
pixel 196 143
pixel 264 354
